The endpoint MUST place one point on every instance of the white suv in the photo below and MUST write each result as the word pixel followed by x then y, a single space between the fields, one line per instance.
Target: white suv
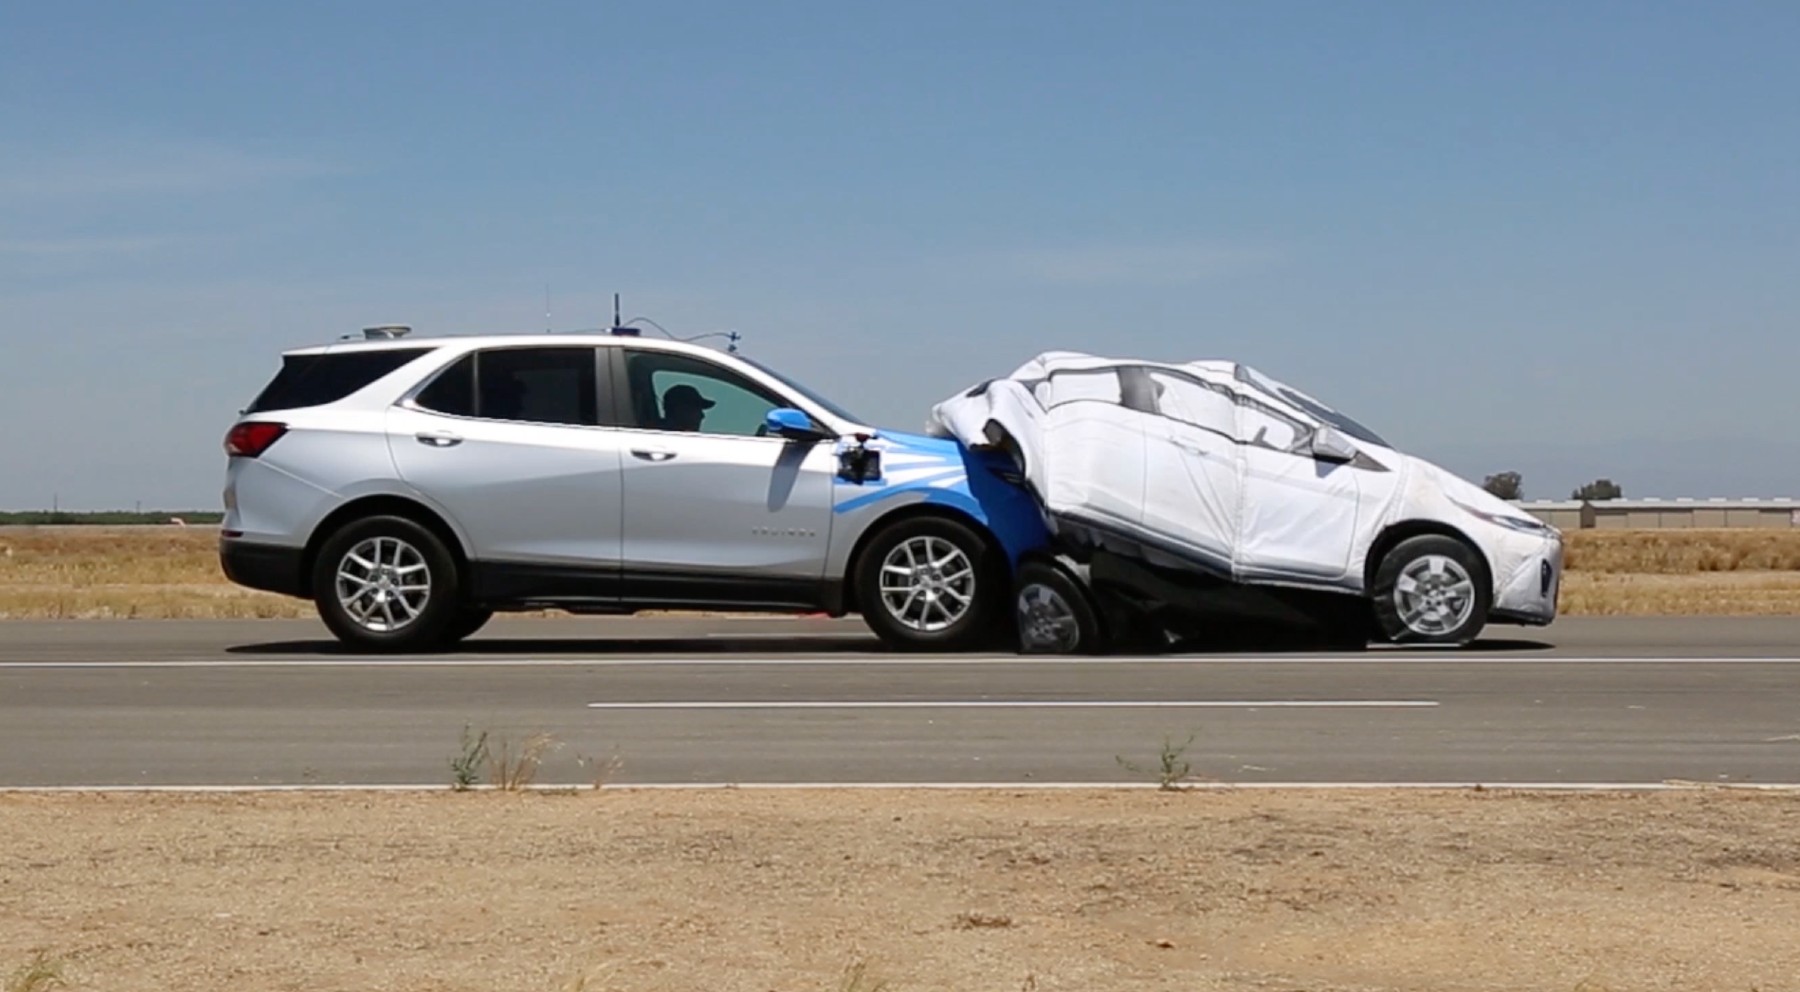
pixel 412 487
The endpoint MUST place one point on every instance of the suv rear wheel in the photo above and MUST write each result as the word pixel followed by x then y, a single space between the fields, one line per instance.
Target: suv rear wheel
pixel 928 584
pixel 387 584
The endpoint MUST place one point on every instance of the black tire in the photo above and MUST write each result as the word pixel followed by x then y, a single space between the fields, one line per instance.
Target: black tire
pixel 469 620
pixel 1454 619
pixel 978 625
pixel 1055 614
pixel 429 626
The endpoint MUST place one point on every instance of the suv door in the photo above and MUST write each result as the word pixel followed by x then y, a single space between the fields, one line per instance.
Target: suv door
pixel 509 442
pixel 715 510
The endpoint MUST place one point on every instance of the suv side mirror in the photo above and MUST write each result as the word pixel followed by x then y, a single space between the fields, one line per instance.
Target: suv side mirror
pixel 1330 446
pixel 791 424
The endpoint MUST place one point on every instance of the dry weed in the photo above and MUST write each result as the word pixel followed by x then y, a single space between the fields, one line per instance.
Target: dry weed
pixel 857 979
pixel 40 975
pixel 1172 766
pixel 511 772
pixel 600 770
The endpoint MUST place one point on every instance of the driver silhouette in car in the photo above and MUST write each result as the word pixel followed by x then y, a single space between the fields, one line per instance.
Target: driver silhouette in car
pixel 684 408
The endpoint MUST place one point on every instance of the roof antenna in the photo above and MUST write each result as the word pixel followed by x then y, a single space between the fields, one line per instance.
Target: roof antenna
pixel 618 329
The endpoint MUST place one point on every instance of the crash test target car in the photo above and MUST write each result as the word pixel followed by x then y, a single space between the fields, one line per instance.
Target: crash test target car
pixel 1184 496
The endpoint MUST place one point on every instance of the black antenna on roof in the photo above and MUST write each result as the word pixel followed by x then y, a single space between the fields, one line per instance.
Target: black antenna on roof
pixel 618 329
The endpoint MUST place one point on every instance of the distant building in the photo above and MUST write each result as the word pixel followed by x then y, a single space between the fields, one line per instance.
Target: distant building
pixel 1645 514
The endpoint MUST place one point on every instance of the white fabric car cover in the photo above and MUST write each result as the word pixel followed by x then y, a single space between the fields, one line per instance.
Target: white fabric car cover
pixel 1223 469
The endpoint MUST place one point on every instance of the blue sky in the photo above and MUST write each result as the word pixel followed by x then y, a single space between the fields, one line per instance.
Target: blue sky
pixel 1557 238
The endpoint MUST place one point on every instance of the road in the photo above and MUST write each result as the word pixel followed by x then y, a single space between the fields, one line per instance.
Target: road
pixel 1599 701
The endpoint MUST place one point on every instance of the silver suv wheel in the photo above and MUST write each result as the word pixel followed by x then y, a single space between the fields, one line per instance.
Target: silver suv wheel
pixel 383 584
pixel 927 583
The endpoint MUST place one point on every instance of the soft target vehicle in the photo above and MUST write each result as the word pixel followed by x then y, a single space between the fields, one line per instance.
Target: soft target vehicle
pixel 412 487
pixel 1184 497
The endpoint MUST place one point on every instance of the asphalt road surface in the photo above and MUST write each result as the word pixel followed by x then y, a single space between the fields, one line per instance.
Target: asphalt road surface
pixel 1597 701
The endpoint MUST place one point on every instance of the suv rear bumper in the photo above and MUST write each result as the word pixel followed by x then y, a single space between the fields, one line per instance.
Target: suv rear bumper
pixel 268 567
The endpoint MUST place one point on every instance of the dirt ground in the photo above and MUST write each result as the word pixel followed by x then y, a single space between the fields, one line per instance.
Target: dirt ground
pixel 758 891
pixel 173 572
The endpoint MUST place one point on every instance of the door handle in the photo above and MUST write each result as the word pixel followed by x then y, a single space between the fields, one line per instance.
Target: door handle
pixel 438 439
pixel 653 454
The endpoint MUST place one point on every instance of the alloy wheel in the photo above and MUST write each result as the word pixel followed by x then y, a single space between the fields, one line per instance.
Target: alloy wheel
pixel 1434 595
pixel 383 584
pixel 1046 620
pixel 927 583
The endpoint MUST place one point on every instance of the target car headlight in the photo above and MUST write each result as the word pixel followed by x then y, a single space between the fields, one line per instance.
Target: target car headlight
pixel 1523 525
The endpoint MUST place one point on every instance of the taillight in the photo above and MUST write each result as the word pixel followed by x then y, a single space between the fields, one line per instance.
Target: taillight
pixel 247 440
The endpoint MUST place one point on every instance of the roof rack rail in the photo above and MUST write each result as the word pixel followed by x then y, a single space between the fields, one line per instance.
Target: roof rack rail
pixel 386 332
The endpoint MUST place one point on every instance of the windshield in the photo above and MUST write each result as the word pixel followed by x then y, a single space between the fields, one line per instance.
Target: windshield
pixel 1289 394
pixel 830 407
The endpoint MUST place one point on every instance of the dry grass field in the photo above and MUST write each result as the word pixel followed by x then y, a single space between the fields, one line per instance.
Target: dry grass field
pixel 172 572
pixel 1683 552
pixel 124 572
pixel 900 891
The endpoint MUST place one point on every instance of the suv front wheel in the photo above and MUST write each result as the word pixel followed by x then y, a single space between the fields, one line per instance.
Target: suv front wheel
pixel 387 584
pixel 928 584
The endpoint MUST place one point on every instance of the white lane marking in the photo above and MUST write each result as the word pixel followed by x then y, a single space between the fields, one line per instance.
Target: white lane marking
pixel 970 661
pixel 770 635
pixel 974 704
pixel 1672 786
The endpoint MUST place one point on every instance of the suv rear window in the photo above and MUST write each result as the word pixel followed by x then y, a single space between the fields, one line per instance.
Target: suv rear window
pixel 315 380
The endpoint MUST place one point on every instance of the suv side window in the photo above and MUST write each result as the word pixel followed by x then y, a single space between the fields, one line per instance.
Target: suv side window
pixel 675 392
pixel 315 380
pixel 528 385
pixel 453 391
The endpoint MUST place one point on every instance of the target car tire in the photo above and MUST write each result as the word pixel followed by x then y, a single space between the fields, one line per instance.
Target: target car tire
pixel 1431 589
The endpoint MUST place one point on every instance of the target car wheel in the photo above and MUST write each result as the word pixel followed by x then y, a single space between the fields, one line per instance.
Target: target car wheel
pixel 1054 613
pixel 1431 589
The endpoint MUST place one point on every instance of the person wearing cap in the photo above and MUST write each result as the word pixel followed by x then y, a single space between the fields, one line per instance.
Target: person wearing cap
pixel 684 408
